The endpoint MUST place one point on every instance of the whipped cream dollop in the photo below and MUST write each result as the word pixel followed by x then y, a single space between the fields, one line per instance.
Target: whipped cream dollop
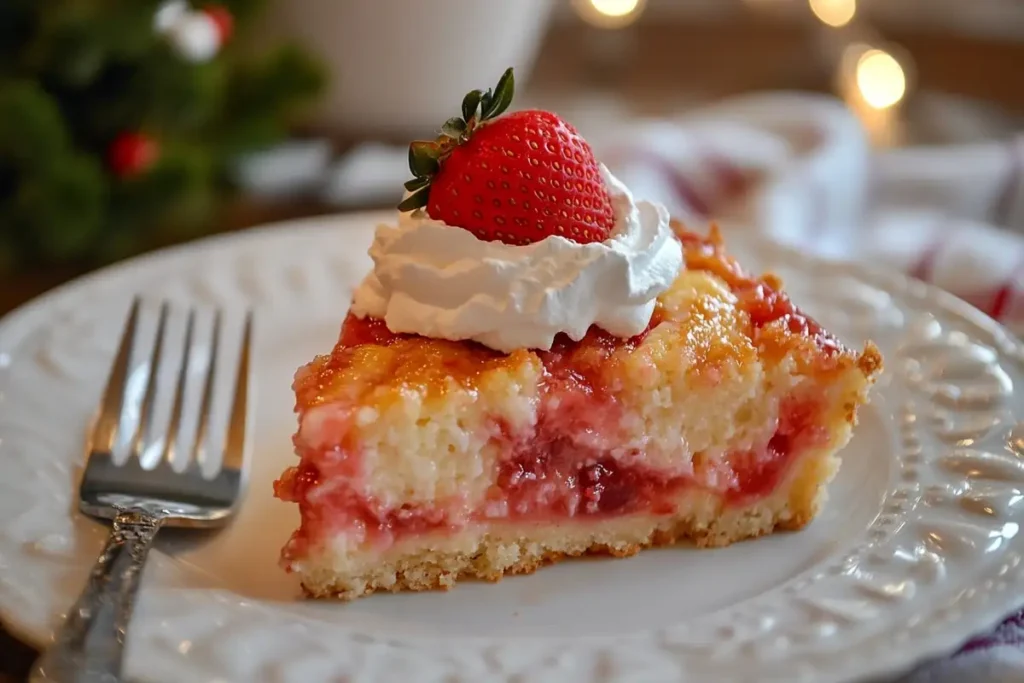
pixel 438 281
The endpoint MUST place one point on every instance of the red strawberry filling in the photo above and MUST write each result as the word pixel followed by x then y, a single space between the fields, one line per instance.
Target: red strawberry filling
pixel 565 468
pixel 544 478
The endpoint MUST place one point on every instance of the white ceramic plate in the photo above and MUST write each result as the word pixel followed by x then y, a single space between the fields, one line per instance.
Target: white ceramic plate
pixel 918 548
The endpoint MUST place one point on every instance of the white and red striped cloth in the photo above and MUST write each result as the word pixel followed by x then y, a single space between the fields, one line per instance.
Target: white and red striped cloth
pixel 799 167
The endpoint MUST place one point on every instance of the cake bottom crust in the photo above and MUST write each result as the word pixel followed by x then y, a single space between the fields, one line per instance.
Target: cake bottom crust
pixel 492 551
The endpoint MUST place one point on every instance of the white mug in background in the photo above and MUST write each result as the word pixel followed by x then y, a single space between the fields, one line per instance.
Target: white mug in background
pixel 401 67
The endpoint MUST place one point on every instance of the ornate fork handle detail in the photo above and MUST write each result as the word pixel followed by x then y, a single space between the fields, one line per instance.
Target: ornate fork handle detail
pixel 89 646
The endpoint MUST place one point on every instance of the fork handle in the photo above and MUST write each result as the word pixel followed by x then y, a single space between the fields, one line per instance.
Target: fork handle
pixel 89 646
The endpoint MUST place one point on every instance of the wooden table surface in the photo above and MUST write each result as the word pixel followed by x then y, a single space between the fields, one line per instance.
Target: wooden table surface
pixel 668 59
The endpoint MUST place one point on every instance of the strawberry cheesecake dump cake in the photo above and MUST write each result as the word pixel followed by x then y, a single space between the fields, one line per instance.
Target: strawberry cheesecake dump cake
pixel 541 366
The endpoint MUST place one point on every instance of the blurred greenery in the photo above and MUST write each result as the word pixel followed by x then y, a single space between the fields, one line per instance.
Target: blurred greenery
pixel 76 74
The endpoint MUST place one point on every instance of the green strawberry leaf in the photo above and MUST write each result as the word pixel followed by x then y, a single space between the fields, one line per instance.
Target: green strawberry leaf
pixel 423 158
pixel 470 104
pixel 454 127
pixel 415 201
pixel 416 183
pixel 503 93
pixel 485 103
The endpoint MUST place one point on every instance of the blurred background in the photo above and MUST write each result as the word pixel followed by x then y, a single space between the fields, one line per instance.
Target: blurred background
pixel 125 126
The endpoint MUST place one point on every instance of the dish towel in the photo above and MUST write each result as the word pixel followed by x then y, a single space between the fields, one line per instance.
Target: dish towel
pixel 799 167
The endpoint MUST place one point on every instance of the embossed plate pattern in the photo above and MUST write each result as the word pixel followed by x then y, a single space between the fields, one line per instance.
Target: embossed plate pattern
pixel 918 548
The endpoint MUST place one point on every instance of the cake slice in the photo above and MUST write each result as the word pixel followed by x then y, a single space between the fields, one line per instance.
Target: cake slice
pixel 425 461
pixel 540 366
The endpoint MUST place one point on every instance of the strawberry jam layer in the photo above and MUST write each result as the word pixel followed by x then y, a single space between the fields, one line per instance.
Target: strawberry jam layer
pixel 542 480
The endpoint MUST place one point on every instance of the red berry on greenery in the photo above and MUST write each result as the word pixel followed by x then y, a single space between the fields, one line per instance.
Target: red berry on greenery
pixel 516 179
pixel 132 153
pixel 222 19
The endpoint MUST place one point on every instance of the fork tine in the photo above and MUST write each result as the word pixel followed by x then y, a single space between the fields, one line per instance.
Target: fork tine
pixel 112 405
pixel 234 443
pixel 149 397
pixel 199 445
pixel 179 392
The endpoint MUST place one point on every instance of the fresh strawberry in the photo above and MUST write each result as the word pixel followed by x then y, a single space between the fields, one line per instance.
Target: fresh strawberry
pixel 515 179
pixel 521 178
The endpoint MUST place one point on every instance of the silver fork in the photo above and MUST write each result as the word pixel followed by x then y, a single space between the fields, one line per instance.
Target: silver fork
pixel 89 646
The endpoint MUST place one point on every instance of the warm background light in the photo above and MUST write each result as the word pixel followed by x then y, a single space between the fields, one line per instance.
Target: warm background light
pixel 835 13
pixel 615 8
pixel 880 79
pixel 609 13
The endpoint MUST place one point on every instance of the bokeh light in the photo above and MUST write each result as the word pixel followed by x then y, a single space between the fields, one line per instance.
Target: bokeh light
pixel 880 79
pixel 615 8
pixel 609 13
pixel 835 13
